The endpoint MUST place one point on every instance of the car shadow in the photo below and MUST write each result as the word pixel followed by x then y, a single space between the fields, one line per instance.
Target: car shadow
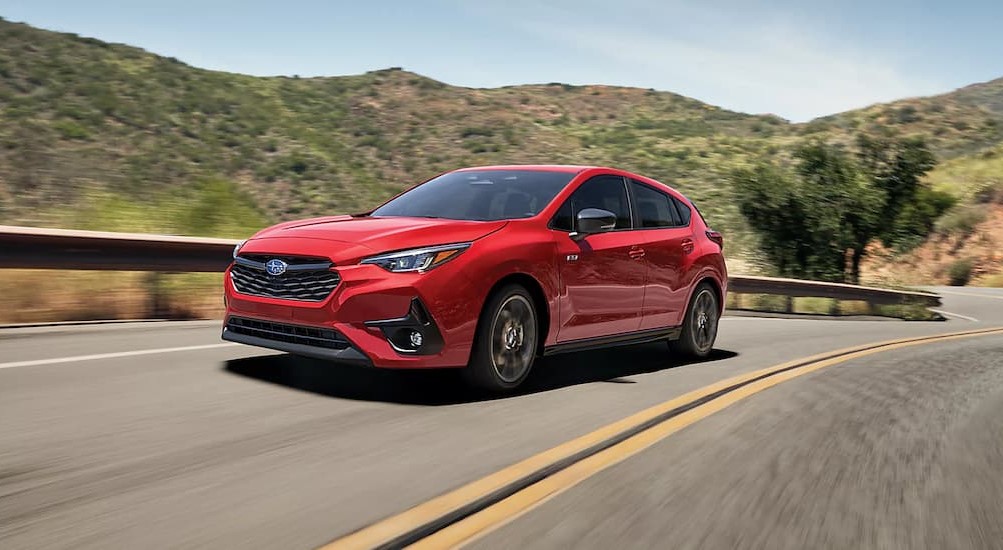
pixel 446 386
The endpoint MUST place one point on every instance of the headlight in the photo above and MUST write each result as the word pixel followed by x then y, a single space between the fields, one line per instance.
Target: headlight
pixel 236 249
pixel 417 259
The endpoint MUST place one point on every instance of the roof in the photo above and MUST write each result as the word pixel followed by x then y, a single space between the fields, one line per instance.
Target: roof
pixel 537 167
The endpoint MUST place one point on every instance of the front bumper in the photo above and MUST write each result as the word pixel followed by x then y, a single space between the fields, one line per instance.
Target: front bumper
pixel 307 341
pixel 372 310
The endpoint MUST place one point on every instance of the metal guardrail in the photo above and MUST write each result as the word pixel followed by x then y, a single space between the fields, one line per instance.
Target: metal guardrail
pixel 36 248
pixel 797 288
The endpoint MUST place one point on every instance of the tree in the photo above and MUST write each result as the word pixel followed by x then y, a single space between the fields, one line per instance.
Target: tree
pixel 830 203
pixel 848 205
pixel 897 166
pixel 769 199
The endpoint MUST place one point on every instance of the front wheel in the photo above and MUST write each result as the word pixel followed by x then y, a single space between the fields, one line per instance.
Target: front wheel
pixel 700 324
pixel 505 345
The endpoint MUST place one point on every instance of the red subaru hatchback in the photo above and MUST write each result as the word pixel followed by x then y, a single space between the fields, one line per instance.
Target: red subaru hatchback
pixel 486 269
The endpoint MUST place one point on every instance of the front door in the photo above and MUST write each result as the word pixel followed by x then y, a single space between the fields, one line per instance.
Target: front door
pixel 602 275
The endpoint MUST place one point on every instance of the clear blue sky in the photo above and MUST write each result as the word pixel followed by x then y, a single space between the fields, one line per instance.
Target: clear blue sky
pixel 795 58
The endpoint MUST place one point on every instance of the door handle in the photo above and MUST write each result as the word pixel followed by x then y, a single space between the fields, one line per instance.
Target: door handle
pixel 687 246
pixel 636 253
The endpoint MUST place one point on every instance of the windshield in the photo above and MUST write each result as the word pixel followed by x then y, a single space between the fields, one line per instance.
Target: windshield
pixel 482 195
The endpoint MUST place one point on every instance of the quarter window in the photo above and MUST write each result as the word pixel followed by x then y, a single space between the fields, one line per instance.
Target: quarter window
pixel 564 220
pixel 684 211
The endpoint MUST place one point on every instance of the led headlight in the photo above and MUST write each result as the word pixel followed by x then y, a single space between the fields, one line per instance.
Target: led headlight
pixel 236 249
pixel 417 259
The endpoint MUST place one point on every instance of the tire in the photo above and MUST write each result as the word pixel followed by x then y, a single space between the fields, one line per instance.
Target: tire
pixel 699 325
pixel 506 340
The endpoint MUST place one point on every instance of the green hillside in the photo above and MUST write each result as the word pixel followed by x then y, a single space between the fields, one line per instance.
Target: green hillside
pixel 97 135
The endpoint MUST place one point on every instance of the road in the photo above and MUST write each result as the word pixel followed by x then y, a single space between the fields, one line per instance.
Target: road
pixel 156 435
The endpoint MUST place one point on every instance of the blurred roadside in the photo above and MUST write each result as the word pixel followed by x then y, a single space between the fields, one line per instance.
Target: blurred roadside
pixel 36 295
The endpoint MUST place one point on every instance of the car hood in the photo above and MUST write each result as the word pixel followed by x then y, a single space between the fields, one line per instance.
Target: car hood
pixel 354 238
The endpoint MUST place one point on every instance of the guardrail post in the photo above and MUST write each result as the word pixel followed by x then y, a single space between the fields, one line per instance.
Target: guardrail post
pixel 157 307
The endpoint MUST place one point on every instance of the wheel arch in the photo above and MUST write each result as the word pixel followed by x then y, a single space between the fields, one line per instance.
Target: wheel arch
pixel 716 286
pixel 540 302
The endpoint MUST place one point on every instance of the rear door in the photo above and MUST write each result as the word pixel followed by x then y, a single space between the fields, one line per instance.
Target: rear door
pixel 603 275
pixel 667 241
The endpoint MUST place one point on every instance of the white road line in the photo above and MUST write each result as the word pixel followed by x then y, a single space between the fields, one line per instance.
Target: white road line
pixel 958 315
pixel 970 294
pixel 58 360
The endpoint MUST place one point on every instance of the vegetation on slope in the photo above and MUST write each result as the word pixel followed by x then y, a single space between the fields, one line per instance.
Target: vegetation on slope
pixel 98 135
pixel 967 242
pixel 818 215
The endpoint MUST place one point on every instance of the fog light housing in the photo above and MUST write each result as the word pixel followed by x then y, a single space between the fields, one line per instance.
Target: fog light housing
pixel 415 333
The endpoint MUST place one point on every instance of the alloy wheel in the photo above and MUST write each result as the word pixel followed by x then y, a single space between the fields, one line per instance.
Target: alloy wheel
pixel 513 338
pixel 704 320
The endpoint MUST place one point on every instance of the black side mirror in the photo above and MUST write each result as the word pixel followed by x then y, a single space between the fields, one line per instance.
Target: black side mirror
pixel 594 220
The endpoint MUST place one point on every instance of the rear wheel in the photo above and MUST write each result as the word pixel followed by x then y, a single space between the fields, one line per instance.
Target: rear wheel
pixel 505 345
pixel 700 324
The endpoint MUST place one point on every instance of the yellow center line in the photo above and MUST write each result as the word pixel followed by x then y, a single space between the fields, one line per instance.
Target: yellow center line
pixel 497 514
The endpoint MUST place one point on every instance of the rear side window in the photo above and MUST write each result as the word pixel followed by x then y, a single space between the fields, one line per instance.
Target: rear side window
pixel 604 192
pixel 654 208
pixel 684 211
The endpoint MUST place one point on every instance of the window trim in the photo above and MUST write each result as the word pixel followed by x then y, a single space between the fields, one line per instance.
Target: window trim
pixel 630 206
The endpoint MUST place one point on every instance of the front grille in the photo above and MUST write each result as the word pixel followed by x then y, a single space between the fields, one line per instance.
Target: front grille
pixel 305 279
pixel 295 334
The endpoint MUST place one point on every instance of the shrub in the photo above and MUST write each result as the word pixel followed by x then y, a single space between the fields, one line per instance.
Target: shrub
pixel 961 220
pixel 960 272
pixel 71 130
pixel 476 131
pixel 907 114
pixel 990 194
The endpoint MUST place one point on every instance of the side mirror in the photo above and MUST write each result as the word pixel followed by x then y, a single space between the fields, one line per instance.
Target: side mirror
pixel 594 220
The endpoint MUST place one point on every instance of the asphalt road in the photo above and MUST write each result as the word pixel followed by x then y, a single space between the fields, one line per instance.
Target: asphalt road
pixel 208 445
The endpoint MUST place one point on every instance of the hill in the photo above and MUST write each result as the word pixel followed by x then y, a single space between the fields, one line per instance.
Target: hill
pixel 967 245
pixel 98 135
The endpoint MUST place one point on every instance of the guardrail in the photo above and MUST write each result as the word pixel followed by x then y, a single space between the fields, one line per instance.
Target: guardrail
pixel 36 248
pixel 797 288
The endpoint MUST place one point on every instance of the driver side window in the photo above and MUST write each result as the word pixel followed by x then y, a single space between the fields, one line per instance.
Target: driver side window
pixel 604 192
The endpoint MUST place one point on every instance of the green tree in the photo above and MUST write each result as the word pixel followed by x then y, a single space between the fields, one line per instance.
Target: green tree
pixel 846 206
pixel 897 166
pixel 831 204
pixel 770 200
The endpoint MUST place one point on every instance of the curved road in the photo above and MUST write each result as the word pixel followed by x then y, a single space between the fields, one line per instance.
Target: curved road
pixel 156 435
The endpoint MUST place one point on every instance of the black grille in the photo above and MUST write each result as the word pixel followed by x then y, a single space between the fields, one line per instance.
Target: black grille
pixel 305 279
pixel 291 260
pixel 296 334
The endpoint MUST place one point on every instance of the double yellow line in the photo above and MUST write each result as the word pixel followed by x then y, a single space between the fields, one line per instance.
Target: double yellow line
pixel 475 509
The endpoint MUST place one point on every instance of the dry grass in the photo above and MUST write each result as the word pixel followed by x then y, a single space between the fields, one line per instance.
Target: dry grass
pixel 994 281
pixel 34 296
pixel 931 262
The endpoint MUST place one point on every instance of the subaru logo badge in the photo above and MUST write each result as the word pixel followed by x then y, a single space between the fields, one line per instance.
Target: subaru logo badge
pixel 275 267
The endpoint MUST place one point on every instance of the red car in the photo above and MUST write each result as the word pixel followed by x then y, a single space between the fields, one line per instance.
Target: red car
pixel 486 269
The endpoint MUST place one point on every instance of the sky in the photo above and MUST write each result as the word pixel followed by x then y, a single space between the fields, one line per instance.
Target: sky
pixel 798 59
